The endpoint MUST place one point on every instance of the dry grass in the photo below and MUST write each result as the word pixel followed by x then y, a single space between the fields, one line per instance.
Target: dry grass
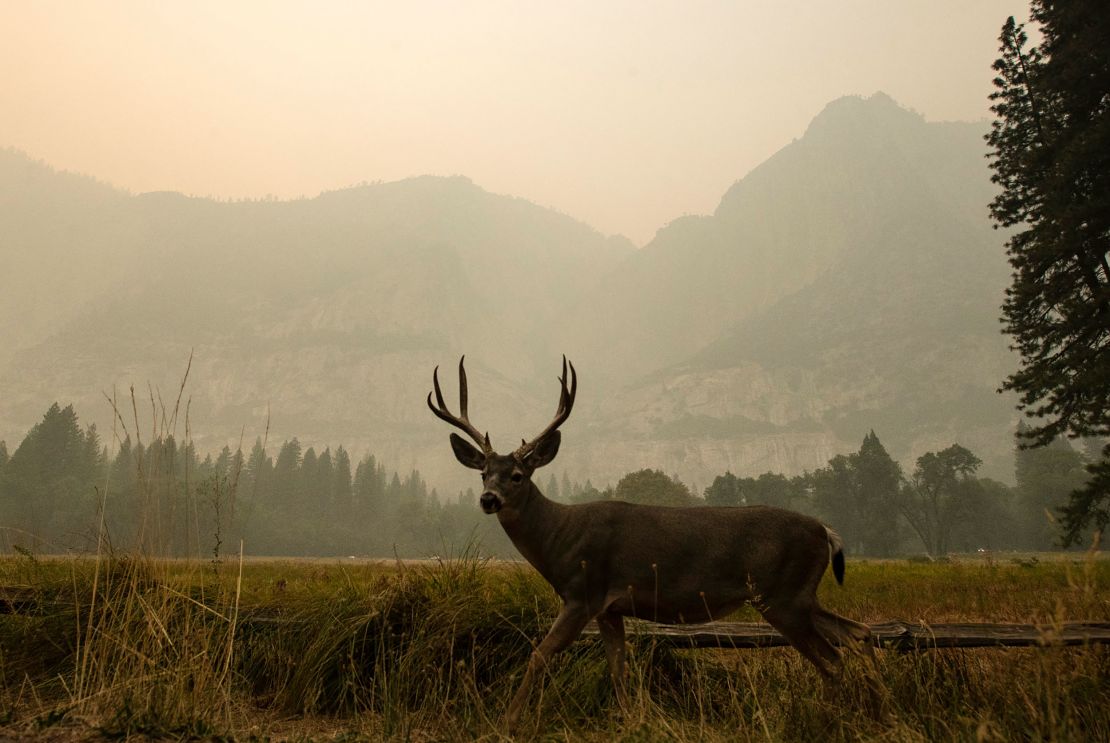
pixel 121 647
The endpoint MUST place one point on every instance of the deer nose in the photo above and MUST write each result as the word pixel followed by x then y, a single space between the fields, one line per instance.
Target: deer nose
pixel 490 502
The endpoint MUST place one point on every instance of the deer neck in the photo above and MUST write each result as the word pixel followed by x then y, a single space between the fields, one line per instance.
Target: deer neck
pixel 534 525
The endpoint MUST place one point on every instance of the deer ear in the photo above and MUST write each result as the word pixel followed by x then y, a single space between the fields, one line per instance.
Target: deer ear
pixel 545 450
pixel 466 453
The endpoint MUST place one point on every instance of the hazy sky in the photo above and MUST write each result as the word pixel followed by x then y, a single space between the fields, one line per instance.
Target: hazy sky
pixel 622 114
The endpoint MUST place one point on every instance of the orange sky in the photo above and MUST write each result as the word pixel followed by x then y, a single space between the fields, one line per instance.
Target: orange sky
pixel 622 114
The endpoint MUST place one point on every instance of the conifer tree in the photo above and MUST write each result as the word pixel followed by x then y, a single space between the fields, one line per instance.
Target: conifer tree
pixel 341 482
pixel 771 489
pixel 1045 476
pixel 325 474
pixel 287 470
pixel 122 500
pixel 222 466
pixel 309 490
pixel 879 478
pixel 256 478
pixel 552 489
pixel 368 486
pixel 48 480
pixel 858 492
pixel 1050 152
pixel 725 491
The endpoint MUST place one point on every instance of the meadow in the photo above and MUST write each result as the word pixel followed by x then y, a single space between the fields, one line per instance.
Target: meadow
pixel 125 646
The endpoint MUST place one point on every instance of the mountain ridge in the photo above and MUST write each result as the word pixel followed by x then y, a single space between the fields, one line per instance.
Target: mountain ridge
pixel 331 312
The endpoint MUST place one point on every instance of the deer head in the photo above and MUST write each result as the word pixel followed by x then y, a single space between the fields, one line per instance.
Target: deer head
pixel 506 478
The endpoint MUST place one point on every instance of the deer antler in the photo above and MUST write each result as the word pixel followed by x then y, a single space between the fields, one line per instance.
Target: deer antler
pixel 461 420
pixel 566 403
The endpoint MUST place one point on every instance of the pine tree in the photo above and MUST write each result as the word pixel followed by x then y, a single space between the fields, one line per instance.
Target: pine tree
pixel 858 493
pixel 256 479
pixel 287 471
pixel 93 457
pixel 222 466
pixel 49 479
pixel 366 491
pixel 309 490
pixel 1050 152
pixel 770 489
pixel 836 495
pixel 341 482
pixel 1092 448
pixel 1045 477
pixel 552 489
pixel 725 491
pixel 121 506
pixel 325 477
pixel 879 478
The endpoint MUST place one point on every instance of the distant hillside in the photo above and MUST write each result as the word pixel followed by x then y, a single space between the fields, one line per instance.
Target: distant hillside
pixel 864 169
pixel 850 282
pixel 330 311
pixel 57 232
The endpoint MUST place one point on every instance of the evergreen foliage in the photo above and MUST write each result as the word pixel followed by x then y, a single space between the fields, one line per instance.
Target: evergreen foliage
pixel 860 492
pixel 774 489
pixel 725 491
pixel 879 511
pixel 1050 152
pixel 163 499
pixel 58 466
pixel 769 489
pixel 1045 477
pixel 584 493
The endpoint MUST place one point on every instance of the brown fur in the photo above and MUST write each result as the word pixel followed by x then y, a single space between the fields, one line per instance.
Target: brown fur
pixel 609 560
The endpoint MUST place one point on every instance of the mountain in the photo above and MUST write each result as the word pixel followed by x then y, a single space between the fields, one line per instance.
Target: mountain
pixel 852 281
pixel 330 312
pixel 56 230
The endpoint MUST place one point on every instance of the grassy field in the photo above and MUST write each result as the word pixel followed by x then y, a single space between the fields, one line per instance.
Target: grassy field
pixel 270 649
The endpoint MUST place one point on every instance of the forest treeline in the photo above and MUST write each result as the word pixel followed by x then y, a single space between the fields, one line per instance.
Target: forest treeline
pixel 940 506
pixel 165 498
pixel 61 485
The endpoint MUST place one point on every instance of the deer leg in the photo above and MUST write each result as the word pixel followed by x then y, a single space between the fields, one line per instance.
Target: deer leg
pixel 611 627
pixel 843 630
pixel 798 627
pixel 568 625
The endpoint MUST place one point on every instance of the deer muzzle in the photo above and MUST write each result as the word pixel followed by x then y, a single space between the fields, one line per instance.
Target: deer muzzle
pixel 490 502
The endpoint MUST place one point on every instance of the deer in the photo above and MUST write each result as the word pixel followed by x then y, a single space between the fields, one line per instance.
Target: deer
pixel 611 560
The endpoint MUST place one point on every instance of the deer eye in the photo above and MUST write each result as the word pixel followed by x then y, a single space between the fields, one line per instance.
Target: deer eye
pixel 517 477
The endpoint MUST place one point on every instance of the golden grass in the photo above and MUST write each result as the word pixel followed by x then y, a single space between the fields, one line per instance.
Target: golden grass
pixel 125 646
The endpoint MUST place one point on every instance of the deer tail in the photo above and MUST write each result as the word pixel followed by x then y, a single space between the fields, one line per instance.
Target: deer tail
pixel 836 554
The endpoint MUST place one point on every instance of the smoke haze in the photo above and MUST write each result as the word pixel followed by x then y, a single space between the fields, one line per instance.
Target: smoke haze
pixel 622 114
